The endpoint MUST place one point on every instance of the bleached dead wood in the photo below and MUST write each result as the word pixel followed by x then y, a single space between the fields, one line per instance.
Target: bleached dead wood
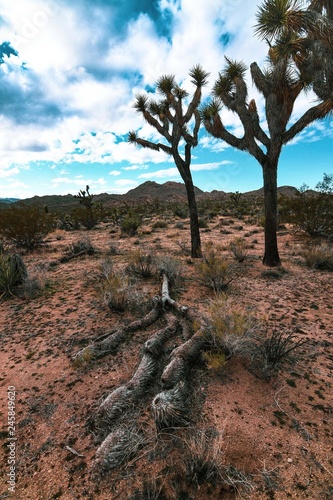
pixel 170 407
pixel 110 343
pixel 122 398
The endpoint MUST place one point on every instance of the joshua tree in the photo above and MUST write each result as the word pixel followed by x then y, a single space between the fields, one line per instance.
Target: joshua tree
pixel 172 122
pixel 86 199
pixel 295 37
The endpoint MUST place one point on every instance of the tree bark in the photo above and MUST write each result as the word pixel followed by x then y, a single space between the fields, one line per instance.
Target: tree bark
pixel 196 252
pixel 271 256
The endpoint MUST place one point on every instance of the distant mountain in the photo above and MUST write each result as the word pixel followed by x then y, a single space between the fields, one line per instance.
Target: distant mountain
pixel 8 200
pixel 148 191
pixel 153 190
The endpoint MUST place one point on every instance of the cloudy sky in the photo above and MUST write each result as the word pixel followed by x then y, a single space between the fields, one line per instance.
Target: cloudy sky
pixel 66 103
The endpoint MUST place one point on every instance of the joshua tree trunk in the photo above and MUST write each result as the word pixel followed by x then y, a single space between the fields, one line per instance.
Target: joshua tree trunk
pixel 194 220
pixel 271 255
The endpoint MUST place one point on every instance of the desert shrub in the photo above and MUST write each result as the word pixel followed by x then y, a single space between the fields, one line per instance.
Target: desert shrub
pixel 232 329
pixel 12 273
pixel 312 213
pixel 202 223
pixel 184 247
pixel 118 290
pixel 202 458
pixel 83 245
pixel 319 256
pixel 237 248
pixel 171 267
pixel 32 287
pixel 275 350
pixel 25 226
pixel 141 264
pixel 214 271
pixel 160 224
pixel 130 224
pixel 67 222
pixel 180 211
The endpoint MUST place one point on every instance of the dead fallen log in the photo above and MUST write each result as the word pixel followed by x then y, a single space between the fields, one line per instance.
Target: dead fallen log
pixel 119 447
pixel 191 349
pixel 110 343
pixel 125 396
pixel 174 372
pixel 167 300
pixel 171 408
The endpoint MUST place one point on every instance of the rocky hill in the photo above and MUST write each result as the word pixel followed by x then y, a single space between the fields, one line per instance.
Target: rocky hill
pixel 148 191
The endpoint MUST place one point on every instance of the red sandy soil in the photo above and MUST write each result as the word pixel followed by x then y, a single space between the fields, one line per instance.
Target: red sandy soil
pixel 277 432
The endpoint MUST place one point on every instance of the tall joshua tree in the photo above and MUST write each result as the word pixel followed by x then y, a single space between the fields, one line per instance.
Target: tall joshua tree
pixel 179 127
pixel 294 35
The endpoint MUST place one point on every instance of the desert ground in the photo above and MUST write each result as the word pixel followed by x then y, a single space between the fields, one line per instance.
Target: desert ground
pixel 248 436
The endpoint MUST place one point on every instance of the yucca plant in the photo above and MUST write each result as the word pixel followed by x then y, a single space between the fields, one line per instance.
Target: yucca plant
pixel 12 273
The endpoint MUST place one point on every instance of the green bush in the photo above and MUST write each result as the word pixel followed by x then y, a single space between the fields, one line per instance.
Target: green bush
pixel 12 273
pixel 312 213
pixel 130 224
pixel 25 226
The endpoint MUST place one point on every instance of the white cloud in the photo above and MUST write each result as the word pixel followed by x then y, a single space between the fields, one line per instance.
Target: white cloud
pixel 174 173
pixel 136 167
pixel 78 68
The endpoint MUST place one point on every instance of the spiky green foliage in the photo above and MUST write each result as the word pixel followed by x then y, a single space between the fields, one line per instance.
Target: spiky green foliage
pixel 276 15
pixel 12 273
pixel 171 119
pixel 300 57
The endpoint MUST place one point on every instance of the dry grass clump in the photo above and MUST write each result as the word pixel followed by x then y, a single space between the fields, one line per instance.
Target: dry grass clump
pixel 232 329
pixel 141 264
pixel 214 271
pixel 237 248
pixel 119 291
pixel 319 256
pixel 203 458
pixel 203 461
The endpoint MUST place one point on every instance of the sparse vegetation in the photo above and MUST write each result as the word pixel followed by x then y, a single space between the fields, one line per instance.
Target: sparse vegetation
pixel 130 224
pixel 232 329
pixel 319 256
pixel 141 264
pixel 25 226
pixel 237 248
pixel 13 273
pixel 214 271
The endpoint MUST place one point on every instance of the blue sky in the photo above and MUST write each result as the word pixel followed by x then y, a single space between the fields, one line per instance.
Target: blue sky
pixel 66 100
